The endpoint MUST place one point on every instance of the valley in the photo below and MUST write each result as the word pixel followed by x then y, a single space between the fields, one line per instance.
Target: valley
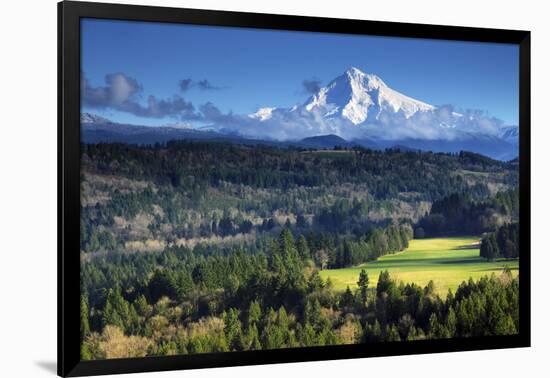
pixel 447 262
pixel 251 189
pixel 199 247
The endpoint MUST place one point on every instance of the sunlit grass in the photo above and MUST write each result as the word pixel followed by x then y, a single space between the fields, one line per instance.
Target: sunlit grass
pixel 446 261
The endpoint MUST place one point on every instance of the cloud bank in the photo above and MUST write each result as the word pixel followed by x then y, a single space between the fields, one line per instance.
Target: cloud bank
pixel 122 93
pixel 443 123
pixel 204 85
pixel 311 86
pixel 125 94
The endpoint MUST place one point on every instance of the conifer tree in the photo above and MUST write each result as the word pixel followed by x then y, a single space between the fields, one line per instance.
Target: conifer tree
pixel 232 329
pixel 84 318
pixel 116 309
pixel 347 298
pixel 363 284
pixel 254 314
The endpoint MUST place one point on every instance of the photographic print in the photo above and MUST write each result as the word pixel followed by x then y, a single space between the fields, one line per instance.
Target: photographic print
pixel 251 189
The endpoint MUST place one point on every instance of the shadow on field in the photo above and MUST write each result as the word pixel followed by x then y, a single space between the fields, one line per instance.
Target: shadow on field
pixel 467 246
pixel 402 262
pixel 473 260
pixel 499 269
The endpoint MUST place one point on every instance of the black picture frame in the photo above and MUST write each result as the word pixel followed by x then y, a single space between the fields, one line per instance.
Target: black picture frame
pixel 69 14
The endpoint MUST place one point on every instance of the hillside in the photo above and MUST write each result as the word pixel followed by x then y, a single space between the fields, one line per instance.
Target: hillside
pixel 149 197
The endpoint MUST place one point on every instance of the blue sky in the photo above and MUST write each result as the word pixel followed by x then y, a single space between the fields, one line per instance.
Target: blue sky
pixel 246 69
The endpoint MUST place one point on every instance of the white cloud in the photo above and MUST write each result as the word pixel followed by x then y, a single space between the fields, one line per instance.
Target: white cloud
pixel 293 124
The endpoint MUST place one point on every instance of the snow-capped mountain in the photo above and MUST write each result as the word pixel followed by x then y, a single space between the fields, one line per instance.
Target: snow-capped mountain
pixel 360 97
pixel 361 106
pixel 357 107
pixel 356 98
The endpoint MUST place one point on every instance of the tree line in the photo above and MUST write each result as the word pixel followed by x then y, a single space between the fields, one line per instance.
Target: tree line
pixel 389 312
pixel 198 190
pixel 195 165
pixel 460 213
pixel 195 301
pixel 503 242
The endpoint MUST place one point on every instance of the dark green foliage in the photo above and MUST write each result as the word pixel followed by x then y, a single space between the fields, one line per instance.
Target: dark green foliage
pixel 504 242
pixel 276 332
pixel 347 299
pixel 363 284
pixel 254 314
pixel 181 164
pixel 117 310
pixel 375 243
pixel 489 247
pixel 84 318
pixel 233 331
pixel 390 312
pixel 461 214
pixel 166 182
pixel 241 232
pixel 162 284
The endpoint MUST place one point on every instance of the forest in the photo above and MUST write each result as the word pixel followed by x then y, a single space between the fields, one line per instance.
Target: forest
pixel 197 247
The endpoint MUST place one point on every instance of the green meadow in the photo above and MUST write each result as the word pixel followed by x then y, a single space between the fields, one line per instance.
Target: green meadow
pixel 445 261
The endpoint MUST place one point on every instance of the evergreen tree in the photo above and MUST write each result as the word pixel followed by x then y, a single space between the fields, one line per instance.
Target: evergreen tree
pixel 232 329
pixel 450 323
pixel 347 258
pixel 273 335
pixel 84 317
pixel 347 298
pixel 491 251
pixel 162 284
pixel 184 285
pixel 116 311
pixel 392 333
pixel 254 314
pixel 363 284
pixel 384 282
pixel 253 338
pixel 315 282
pixel 303 248
pixel 142 307
pixel 312 312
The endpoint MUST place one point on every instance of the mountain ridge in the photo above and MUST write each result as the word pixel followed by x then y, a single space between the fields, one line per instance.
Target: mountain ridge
pixel 356 107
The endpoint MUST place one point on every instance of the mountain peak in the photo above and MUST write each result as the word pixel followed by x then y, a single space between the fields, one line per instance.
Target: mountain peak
pixel 357 96
pixel 355 74
pixel 366 80
pixel 354 71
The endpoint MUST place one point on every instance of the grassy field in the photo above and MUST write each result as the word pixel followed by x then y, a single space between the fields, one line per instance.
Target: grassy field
pixel 446 261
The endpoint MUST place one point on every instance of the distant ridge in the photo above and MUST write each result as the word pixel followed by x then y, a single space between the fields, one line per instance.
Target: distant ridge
pixel 325 141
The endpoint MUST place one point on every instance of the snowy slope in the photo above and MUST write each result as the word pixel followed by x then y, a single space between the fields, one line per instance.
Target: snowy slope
pixel 359 97
pixel 510 134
